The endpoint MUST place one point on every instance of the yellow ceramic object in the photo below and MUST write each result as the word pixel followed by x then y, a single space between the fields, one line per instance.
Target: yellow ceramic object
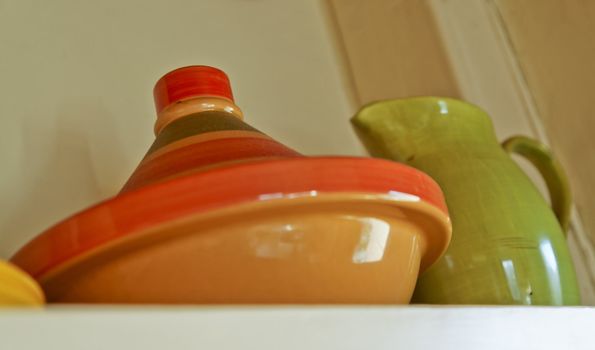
pixel 17 288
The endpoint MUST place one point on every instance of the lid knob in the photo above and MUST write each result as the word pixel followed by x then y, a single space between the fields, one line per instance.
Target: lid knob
pixel 188 82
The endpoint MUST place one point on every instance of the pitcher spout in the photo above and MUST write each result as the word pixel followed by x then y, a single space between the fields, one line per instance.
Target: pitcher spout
pixel 404 129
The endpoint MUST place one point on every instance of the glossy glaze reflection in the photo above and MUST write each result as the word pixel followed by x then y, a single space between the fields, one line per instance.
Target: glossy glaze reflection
pixel 347 248
pixel 507 245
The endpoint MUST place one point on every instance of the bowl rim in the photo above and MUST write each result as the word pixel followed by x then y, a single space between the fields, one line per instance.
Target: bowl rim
pixel 134 212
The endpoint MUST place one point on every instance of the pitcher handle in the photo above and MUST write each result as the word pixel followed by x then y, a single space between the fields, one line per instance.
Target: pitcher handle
pixel 555 178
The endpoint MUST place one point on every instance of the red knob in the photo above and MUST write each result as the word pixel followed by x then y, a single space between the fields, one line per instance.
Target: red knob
pixel 188 82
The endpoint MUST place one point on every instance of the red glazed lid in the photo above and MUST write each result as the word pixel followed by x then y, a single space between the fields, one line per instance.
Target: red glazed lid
pixel 188 82
pixel 134 212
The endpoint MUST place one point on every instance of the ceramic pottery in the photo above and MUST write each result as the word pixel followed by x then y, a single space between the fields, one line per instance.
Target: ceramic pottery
pixel 17 288
pixel 219 212
pixel 508 246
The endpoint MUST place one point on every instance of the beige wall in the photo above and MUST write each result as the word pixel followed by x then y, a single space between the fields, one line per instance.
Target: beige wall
pixel 393 49
pixel 76 81
pixel 555 44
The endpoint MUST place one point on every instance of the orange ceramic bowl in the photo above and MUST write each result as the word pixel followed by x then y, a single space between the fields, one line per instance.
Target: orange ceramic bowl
pixel 299 230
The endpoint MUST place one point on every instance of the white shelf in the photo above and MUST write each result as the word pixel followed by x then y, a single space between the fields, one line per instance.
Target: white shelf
pixel 298 328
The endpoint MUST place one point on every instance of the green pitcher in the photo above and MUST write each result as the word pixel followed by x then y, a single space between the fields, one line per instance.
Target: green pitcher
pixel 508 245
